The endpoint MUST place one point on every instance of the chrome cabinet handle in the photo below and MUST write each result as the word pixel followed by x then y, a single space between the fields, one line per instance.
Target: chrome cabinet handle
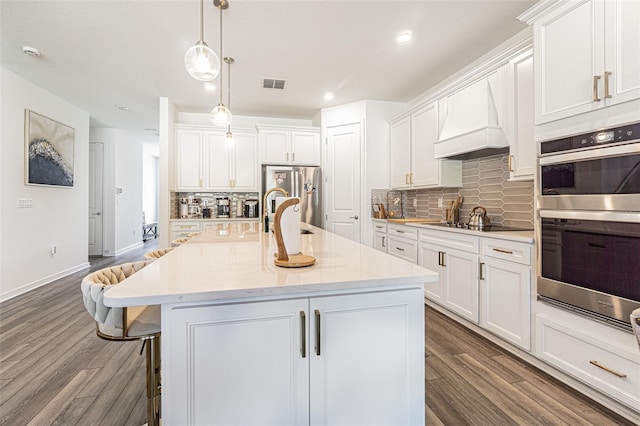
pixel 607 369
pixel 596 78
pixel 480 265
pixel 287 156
pixel 303 334
pixel 510 163
pixel 317 314
pixel 97 213
pixel 607 95
pixel 399 249
pixel 383 241
pixel 293 157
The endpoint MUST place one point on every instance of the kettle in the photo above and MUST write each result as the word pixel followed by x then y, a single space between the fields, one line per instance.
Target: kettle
pixel 479 218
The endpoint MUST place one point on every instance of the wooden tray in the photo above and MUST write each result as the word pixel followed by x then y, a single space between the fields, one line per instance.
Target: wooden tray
pixel 414 220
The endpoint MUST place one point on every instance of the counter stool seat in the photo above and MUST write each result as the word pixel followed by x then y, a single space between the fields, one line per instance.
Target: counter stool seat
pixel 128 323
pixel 179 241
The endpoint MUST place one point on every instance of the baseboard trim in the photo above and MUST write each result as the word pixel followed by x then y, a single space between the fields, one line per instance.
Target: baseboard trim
pixel 43 281
pixel 126 249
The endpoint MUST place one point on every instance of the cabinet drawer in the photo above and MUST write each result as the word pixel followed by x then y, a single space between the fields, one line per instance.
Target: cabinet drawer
pixel 507 250
pixel 453 240
pixel 185 226
pixel 403 248
pixel 602 364
pixel 380 227
pixel 403 231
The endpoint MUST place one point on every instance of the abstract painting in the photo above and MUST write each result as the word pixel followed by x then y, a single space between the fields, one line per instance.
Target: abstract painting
pixel 49 151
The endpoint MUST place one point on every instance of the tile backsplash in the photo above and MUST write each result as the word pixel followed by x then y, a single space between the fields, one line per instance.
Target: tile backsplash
pixel 485 182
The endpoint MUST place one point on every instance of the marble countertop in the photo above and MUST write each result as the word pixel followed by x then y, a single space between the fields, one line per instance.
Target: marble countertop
pixel 236 260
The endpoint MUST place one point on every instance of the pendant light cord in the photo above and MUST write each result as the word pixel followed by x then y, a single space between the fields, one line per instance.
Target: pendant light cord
pixel 201 20
pixel 221 55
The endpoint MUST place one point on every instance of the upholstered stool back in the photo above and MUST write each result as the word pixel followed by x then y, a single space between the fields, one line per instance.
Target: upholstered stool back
pixel 157 254
pixel 178 241
pixel 118 323
pixel 635 324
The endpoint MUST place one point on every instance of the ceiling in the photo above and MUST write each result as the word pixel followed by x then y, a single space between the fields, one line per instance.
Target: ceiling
pixel 97 54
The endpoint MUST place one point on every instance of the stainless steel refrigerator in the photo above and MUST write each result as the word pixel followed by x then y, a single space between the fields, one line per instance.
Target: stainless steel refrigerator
pixel 300 181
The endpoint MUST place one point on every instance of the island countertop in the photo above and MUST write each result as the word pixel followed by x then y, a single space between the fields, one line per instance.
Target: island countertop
pixel 236 261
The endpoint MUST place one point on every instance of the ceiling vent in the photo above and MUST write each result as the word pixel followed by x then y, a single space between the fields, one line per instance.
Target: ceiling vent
pixel 272 83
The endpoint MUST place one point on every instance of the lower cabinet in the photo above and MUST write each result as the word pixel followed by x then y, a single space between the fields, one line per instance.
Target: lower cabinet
pixel 181 228
pixel 574 346
pixel 341 359
pixel 403 242
pixel 380 238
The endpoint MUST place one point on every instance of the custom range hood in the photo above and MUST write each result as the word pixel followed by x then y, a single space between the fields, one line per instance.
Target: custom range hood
pixel 473 118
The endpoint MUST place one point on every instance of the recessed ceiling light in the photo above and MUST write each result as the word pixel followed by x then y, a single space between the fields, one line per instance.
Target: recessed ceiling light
pixel 122 107
pixel 31 51
pixel 404 37
pixel 328 96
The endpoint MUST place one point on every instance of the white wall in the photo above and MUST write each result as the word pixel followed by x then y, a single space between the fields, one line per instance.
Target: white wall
pixel 59 215
pixel 150 181
pixel 122 210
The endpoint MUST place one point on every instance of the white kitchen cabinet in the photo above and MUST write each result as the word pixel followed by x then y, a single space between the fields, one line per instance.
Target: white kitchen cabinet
pixel 505 290
pixel 181 228
pixel 289 145
pixel 298 361
pixel 455 258
pixel 586 56
pixel 204 162
pixel 520 117
pixel 380 238
pixel 403 242
pixel 412 156
pixel 232 168
pixel 188 160
pixel 591 352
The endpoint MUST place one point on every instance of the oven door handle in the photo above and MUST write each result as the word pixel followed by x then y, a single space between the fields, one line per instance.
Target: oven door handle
pixel 629 147
pixel 607 216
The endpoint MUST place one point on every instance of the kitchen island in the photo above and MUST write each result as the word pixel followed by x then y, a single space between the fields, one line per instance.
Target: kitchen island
pixel 247 342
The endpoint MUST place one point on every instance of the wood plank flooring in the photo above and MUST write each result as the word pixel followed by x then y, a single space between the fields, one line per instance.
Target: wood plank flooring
pixel 55 371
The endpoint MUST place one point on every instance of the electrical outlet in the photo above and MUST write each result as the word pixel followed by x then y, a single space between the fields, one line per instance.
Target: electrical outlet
pixel 53 250
pixel 440 202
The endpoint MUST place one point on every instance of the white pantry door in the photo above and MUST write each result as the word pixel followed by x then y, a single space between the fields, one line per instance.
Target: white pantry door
pixel 96 155
pixel 342 181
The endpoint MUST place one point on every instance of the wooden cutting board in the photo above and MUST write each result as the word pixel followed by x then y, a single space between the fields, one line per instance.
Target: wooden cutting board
pixel 414 220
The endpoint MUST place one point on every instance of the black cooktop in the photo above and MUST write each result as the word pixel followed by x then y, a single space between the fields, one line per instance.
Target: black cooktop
pixel 492 228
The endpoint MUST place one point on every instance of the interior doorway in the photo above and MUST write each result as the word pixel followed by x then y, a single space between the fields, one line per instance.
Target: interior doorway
pixel 96 183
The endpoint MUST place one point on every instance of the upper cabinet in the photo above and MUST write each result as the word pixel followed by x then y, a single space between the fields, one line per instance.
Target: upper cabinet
pixel 412 156
pixel 289 145
pixel 204 162
pixel 519 122
pixel 586 56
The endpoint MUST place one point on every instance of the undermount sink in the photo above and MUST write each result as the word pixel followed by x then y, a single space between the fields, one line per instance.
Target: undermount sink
pixel 305 231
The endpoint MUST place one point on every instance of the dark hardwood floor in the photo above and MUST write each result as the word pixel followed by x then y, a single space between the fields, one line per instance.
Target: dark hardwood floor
pixel 55 371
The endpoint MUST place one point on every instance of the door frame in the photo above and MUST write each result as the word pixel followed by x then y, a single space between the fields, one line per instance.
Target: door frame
pixel 101 196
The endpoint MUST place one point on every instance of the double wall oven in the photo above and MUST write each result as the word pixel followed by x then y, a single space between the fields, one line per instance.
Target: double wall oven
pixel 589 223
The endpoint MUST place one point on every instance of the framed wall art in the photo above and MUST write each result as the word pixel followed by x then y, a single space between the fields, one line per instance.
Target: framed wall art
pixel 49 147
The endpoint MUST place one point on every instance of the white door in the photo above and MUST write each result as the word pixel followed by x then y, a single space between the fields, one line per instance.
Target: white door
pixel 342 181
pixel 430 256
pixel 462 289
pixel 96 156
pixel 218 162
pixel 305 147
pixel 275 146
pixel 366 359
pixel 245 162
pixel 189 160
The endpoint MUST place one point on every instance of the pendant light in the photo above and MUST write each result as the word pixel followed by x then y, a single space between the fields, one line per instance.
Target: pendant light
pixel 229 136
pixel 201 61
pixel 220 115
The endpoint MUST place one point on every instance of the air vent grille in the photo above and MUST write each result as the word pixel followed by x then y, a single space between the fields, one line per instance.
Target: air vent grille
pixel 273 83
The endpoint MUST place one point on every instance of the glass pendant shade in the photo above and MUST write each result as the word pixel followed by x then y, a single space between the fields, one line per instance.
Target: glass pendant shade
pixel 201 62
pixel 221 116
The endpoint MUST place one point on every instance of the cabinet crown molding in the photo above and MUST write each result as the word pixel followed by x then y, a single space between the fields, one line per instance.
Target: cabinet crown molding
pixel 260 127
pixel 214 129
pixel 543 8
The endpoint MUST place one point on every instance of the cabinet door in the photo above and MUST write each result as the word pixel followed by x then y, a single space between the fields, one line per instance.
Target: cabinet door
pixel 219 155
pixel 461 289
pixel 380 241
pixel 275 146
pixel 367 359
pixel 424 135
pixel 569 52
pixel 522 147
pixel 189 156
pixel 505 301
pixel 245 162
pixel 400 153
pixel 305 148
pixel 622 47
pixel 239 364
pixel 429 256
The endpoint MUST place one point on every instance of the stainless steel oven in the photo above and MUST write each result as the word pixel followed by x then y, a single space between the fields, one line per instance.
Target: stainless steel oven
pixel 589 223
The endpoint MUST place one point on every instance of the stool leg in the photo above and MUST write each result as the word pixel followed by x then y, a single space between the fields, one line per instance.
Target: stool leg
pixel 153 381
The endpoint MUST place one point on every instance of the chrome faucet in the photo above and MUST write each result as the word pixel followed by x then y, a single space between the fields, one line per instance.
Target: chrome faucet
pixel 264 205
